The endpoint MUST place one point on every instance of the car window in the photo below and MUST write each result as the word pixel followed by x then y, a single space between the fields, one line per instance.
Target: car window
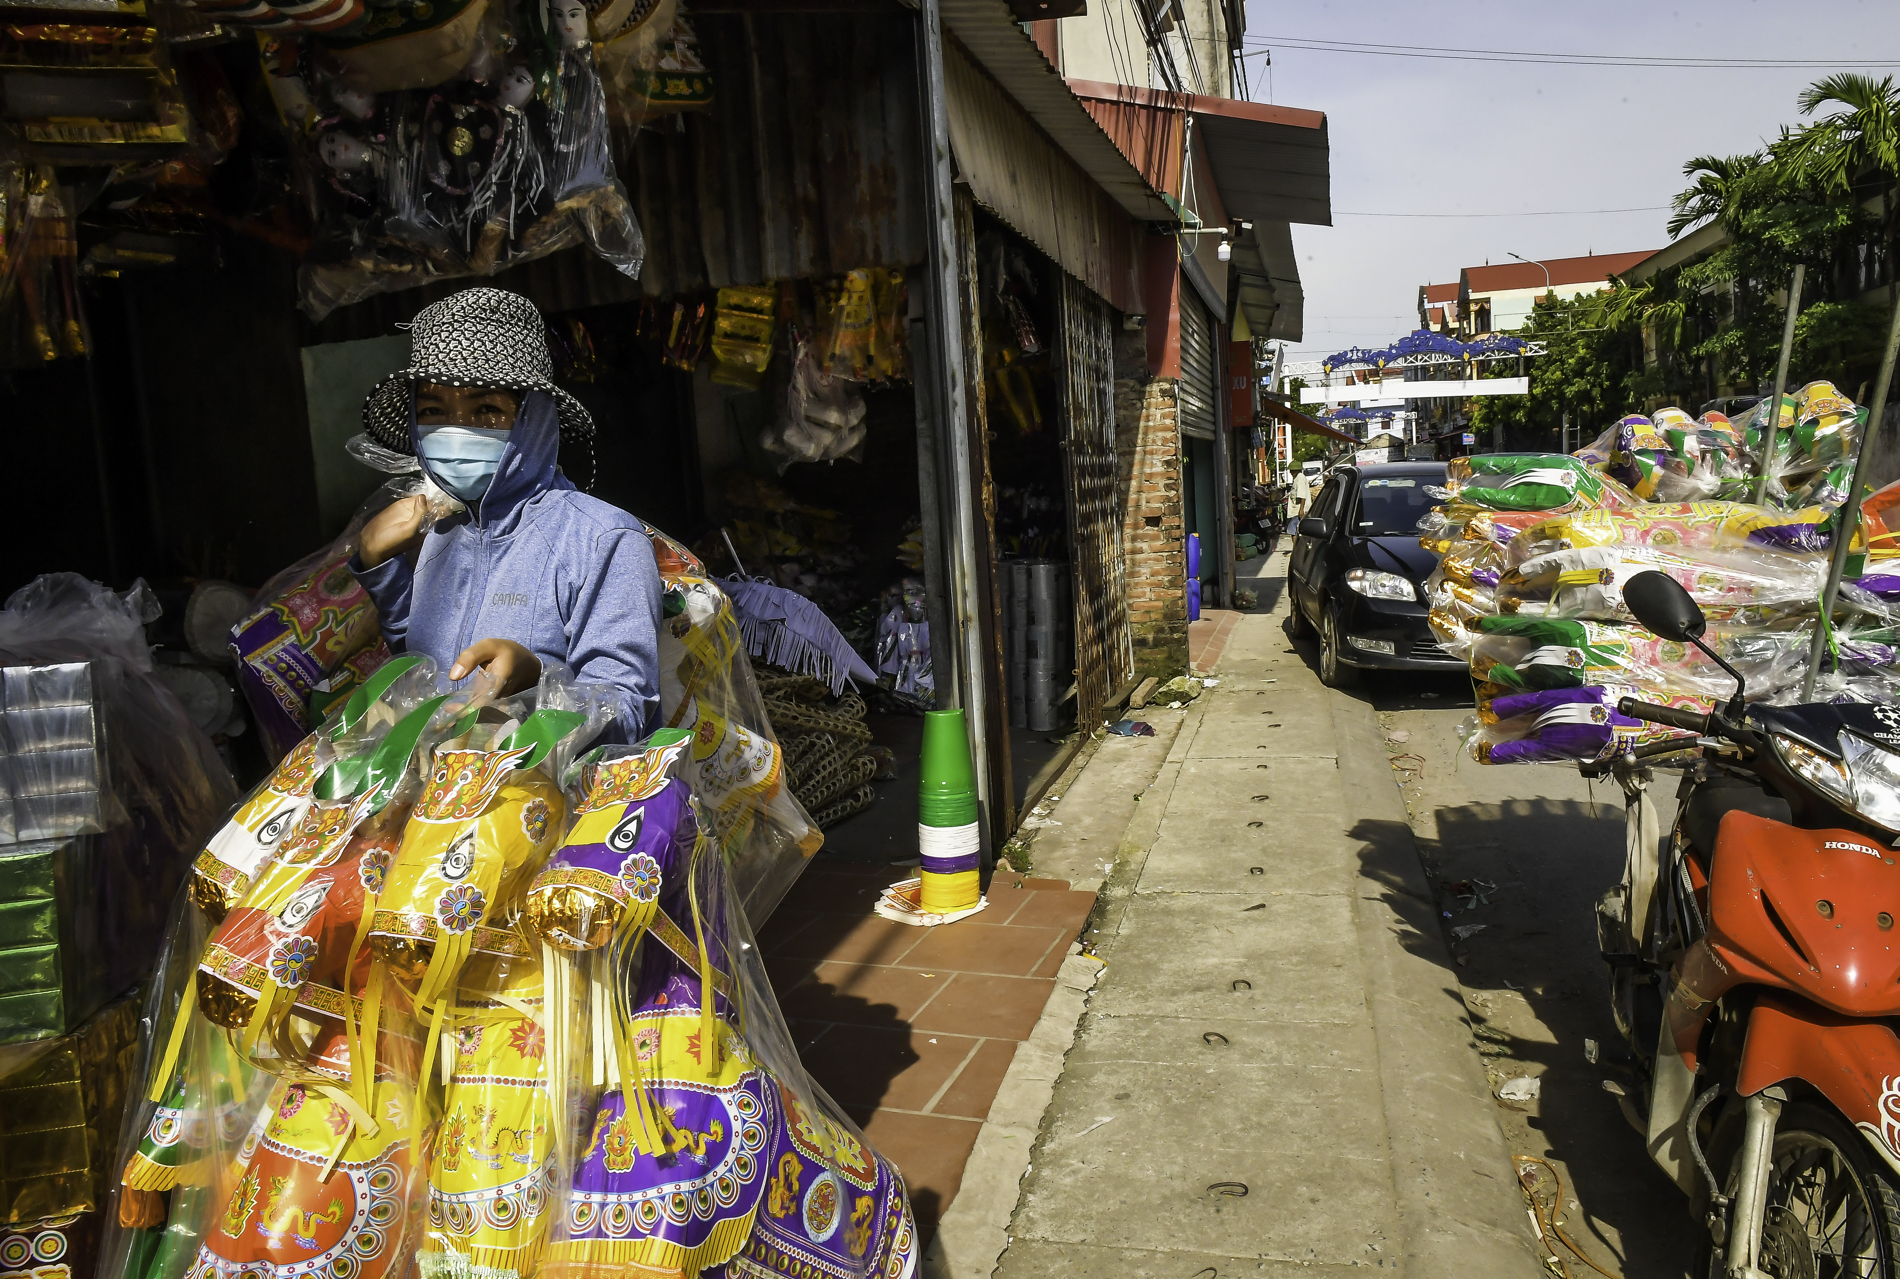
pixel 1391 506
pixel 1328 505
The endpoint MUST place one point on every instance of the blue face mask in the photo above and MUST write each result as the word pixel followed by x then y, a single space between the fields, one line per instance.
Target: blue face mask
pixel 462 459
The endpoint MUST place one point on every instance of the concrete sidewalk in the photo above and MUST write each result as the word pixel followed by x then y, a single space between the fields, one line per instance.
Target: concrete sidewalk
pixel 1274 1070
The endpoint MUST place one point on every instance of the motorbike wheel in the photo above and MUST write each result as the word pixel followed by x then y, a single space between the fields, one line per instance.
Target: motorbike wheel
pixel 1833 1208
pixel 1333 673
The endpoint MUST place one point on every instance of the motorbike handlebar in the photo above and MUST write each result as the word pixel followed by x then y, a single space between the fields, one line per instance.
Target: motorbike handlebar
pixel 1689 721
pixel 1603 768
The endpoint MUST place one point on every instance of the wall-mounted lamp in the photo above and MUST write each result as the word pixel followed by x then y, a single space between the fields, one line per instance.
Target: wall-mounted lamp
pixel 1226 250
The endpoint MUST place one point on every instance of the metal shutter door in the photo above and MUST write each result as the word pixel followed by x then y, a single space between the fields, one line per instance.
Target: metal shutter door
pixel 1196 407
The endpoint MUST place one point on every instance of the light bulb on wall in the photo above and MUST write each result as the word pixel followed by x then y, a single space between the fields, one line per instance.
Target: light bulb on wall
pixel 1225 252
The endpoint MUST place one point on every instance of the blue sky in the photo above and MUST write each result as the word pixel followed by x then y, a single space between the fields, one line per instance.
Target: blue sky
pixel 1463 137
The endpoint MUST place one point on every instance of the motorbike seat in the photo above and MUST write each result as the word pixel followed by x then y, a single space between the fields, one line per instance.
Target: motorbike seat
pixel 1702 815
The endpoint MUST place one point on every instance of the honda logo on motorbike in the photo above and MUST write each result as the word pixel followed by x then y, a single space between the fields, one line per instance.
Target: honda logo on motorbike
pixel 1846 847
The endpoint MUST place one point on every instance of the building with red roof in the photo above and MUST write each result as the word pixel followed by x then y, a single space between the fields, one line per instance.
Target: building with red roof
pixel 1500 298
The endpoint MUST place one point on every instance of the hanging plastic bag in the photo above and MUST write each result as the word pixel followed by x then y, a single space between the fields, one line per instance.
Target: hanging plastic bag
pixel 822 418
pixel 41 318
pixel 467 161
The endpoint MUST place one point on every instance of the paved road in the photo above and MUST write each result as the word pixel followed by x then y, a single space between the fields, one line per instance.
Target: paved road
pixel 1273 1074
pixel 1531 979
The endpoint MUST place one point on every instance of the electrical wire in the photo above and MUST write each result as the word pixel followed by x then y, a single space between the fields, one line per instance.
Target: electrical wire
pixel 1522 53
pixel 1544 1212
pixel 1528 58
pixel 1539 213
pixel 1118 55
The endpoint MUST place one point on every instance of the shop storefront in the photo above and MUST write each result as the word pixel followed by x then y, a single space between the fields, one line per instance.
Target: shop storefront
pixel 891 351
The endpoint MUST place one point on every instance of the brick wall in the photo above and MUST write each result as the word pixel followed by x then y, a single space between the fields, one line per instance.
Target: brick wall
pixel 1153 547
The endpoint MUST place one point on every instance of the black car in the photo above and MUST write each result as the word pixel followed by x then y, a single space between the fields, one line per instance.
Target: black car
pixel 1357 573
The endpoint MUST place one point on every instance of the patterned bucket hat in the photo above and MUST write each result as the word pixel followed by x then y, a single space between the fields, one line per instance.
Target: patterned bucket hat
pixel 478 337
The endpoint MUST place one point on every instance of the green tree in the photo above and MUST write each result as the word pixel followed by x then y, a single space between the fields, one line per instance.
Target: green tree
pixel 1307 445
pixel 1837 152
pixel 1590 370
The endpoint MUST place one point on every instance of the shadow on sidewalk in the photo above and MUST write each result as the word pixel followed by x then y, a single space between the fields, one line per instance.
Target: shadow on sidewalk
pixel 1550 858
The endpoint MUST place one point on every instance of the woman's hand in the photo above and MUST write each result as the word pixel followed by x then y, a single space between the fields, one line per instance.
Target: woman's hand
pixel 512 667
pixel 393 530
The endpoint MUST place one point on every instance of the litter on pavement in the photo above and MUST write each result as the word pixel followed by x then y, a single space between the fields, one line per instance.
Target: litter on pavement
pixel 1472 892
pixel 1522 1088
pixel 1131 728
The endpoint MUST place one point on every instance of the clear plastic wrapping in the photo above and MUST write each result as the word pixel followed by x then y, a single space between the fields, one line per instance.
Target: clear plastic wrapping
pixel 695 1134
pixel 737 768
pixel 106 792
pixel 467 1020
pixel 1563 724
pixel 313 638
pixel 1734 587
pixel 1536 555
pixel 1689 528
pixel 492 151
pixel 1547 652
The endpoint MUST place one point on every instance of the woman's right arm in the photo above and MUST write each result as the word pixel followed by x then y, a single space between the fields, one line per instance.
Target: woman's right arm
pixel 380 566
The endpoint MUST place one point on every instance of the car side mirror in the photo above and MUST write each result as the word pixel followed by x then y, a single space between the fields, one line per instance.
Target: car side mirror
pixel 1659 602
pixel 1312 526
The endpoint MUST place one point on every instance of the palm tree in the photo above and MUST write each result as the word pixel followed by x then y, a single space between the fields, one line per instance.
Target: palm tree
pixel 1839 148
pixel 1863 135
pixel 1716 192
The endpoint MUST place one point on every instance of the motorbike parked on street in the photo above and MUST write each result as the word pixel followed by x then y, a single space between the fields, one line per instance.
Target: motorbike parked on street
pixel 1755 972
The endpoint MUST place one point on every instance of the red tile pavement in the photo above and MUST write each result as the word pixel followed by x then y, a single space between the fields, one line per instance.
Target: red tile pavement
pixel 912 1029
pixel 1207 638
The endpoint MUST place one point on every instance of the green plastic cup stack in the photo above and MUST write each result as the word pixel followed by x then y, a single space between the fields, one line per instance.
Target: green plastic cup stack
pixel 946 816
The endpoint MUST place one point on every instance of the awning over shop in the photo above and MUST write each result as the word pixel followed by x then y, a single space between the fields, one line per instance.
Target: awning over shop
pixel 1050 200
pixel 1270 294
pixel 991 36
pixel 1300 422
pixel 1273 164
pixel 1268 166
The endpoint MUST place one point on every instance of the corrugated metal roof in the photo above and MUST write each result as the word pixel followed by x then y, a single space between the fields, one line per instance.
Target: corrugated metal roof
pixel 1268 169
pixel 1015 172
pixel 988 31
pixel 1283 266
pixel 1270 162
pixel 564 281
pixel 808 164
pixel 1302 422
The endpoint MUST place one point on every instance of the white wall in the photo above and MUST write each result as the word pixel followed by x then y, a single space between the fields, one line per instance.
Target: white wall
pixel 1106 44
pixel 1510 308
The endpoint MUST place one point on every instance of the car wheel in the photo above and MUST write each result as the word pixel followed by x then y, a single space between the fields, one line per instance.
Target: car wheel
pixel 1295 626
pixel 1333 673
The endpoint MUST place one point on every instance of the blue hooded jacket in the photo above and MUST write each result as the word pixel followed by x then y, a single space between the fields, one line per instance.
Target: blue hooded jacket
pixel 565 575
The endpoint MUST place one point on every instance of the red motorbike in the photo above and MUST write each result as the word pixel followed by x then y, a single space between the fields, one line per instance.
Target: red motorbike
pixel 1755 973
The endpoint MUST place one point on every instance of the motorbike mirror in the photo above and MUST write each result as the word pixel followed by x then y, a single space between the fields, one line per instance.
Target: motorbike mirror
pixel 1658 601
